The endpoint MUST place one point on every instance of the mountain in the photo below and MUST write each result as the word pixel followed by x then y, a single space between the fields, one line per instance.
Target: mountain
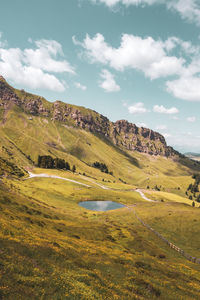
pixel 52 248
pixel 31 126
pixel 122 133
pixel 192 155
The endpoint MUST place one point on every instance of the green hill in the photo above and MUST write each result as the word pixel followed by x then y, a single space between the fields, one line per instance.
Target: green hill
pixel 52 248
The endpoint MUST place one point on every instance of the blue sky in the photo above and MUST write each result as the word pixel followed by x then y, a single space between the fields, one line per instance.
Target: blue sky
pixel 127 59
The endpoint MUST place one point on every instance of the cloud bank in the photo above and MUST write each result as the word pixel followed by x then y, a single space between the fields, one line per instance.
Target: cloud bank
pixel 189 10
pixel 33 67
pixel 174 59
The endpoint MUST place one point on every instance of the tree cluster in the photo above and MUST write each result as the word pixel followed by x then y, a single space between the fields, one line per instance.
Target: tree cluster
pixel 193 189
pixel 48 162
pixel 101 166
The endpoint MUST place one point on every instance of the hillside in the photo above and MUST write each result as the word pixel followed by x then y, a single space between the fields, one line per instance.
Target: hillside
pixel 32 126
pixel 52 248
pixel 121 133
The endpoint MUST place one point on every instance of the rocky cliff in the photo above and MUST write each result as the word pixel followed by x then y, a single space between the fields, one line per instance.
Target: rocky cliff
pixel 122 133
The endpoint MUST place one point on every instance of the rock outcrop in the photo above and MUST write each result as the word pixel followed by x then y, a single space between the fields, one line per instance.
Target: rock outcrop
pixel 122 133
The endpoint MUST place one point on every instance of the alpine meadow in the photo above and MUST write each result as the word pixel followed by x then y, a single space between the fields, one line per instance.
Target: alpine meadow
pixel 101 202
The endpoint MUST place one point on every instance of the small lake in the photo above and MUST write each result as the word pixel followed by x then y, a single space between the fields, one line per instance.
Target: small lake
pixel 101 205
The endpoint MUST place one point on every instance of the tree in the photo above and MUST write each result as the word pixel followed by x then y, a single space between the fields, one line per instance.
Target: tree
pixel 74 169
pixel 39 160
pixel 198 198
pixel 48 162
pixel 67 166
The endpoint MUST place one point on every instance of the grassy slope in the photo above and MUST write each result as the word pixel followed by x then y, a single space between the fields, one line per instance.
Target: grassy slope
pixel 22 137
pixel 52 248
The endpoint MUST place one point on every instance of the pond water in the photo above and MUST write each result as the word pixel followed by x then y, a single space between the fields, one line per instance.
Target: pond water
pixel 101 205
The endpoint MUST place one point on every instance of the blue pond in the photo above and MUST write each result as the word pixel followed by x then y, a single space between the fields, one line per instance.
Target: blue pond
pixel 101 205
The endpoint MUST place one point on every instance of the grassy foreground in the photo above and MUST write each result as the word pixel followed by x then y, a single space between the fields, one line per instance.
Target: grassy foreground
pixel 51 248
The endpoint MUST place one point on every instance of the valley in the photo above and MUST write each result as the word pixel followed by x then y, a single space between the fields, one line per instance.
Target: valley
pixel 51 247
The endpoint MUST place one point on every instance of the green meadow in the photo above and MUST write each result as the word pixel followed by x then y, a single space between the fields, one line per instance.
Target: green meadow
pixel 51 248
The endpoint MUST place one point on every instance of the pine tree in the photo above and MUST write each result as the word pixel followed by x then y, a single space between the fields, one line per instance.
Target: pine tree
pixel 74 169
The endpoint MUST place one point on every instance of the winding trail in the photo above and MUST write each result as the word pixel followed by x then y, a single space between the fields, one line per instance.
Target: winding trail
pixel 143 196
pixel 32 175
pixel 100 185
pixel 43 175
pixel 130 207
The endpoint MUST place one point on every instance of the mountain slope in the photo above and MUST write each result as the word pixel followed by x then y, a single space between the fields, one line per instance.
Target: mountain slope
pixel 52 248
pixel 32 126
pixel 121 133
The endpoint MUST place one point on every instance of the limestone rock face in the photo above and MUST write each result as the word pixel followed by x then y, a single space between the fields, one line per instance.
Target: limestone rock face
pixel 6 94
pixel 33 105
pixel 121 133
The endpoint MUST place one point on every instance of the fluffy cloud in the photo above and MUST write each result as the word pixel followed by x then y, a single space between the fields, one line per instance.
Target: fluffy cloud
pixel 163 110
pixel 108 83
pixel 186 88
pixel 188 141
pixel 191 119
pixel 146 55
pixel 188 9
pixel 166 135
pixel 32 67
pixel 142 125
pixel 155 58
pixel 78 85
pixel 137 108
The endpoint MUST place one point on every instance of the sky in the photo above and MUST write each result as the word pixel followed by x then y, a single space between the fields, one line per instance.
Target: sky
pixel 137 60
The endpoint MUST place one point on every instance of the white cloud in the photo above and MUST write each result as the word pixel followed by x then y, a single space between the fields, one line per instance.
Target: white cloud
pixel 155 58
pixel 146 55
pixel 161 127
pixel 78 85
pixel 31 67
pixel 108 83
pixel 3 43
pixel 163 110
pixel 141 125
pixel 137 108
pixel 186 88
pixel 185 141
pixel 188 9
pixel 166 135
pixel 44 57
pixel 191 119
pixel 111 3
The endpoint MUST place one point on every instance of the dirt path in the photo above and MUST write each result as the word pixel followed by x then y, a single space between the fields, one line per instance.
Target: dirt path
pixel 32 175
pixel 143 196
pixel 100 185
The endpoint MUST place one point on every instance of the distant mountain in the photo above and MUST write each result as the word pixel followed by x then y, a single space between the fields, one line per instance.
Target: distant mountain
pixel 192 155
